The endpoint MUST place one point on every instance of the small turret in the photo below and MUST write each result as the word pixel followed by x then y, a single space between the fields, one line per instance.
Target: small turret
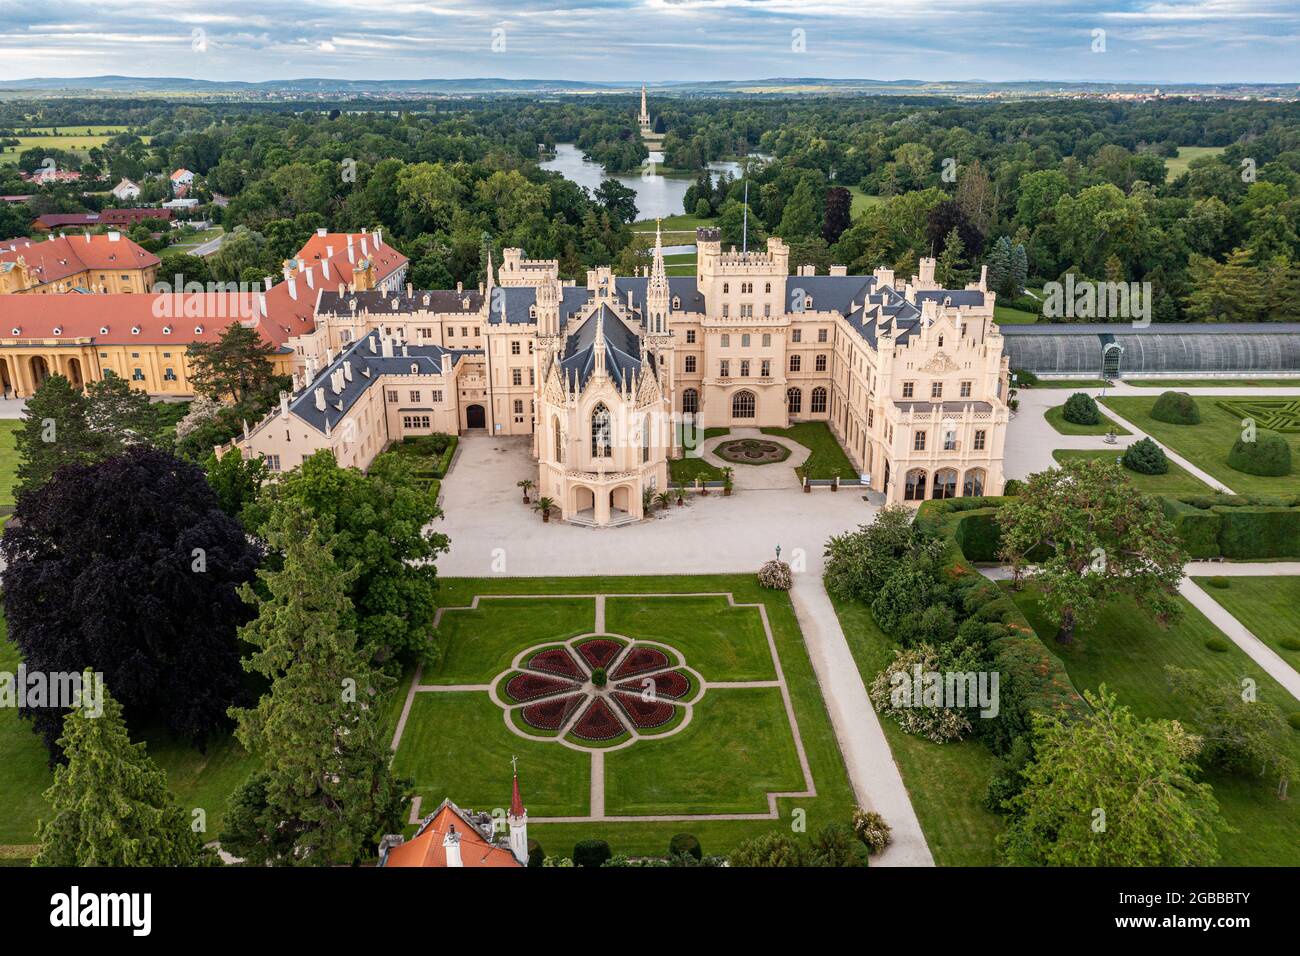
pixel 517 819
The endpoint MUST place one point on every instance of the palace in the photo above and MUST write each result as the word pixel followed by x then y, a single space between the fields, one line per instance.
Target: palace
pixel 614 377
pixel 104 263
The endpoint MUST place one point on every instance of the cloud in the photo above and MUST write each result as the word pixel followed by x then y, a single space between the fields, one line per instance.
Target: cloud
pixel 659 40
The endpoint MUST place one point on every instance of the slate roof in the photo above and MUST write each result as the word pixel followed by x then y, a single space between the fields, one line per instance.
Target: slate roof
pixel 428 358
pixel 622 350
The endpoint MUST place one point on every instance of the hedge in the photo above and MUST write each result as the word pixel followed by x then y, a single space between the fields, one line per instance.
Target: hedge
pixel 1238 527
pixel 1032 678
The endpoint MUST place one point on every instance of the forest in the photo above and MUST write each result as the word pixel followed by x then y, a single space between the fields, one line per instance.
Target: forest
pixel 1034 189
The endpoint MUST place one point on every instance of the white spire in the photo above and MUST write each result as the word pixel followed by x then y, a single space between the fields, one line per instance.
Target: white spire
pixel 598 344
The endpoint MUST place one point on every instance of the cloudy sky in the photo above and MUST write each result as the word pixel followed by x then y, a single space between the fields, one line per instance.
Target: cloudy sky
pixel 657 40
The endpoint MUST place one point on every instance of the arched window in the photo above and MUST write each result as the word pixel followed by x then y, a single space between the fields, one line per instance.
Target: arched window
pixel 601 439
pixel 645 439
pixel 690 402
pixel 767 287
pixel 818 404
pixel 973 486
pixel 742 404
pixel 945 483
pixel 794 401
pixel 914 485
pixel 820 364
pixel 795 362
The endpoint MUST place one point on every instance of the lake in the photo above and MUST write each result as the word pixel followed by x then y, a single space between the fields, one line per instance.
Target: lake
pixel 657 196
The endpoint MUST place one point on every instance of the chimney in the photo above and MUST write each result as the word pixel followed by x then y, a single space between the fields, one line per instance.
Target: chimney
pixel 268 281
pixel 371 340
pixel 410 291
pixel 984 278
pixel 293 288
pixel 320 399
pixel 451 843
pixel 347 370
pixel 310 284
pixel 460 288
pixel 325 268
pixel 321 232
pixel 446 364
pixel 365 246
pixel 379 238
pixel 284 404
pixel 387 345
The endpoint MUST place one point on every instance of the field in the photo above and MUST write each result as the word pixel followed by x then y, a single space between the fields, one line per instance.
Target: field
pixel 1177 481
pixel 1006 315
pixel 9 428
pixel 1207 445
pixel 1178 165
pixel 945 782
pixel 737 754
pixel 1268 607
pixel 1056 418
pixel 861 202
pixel 1165 383
pixel 74 139
pixel 1127 651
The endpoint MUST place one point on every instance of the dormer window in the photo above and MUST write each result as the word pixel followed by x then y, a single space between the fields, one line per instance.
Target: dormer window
pixel 103 330
pixel 58 330
pixel 167 330
pixel 135 330
pixel 16 331
pixel 198 330
pixel 807 303
pixel 677 302
pixel 532 311
pixel 415 368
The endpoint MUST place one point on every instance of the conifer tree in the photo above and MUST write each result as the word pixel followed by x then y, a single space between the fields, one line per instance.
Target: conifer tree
pixel 327 792
pixel 55 432
pixel 110 802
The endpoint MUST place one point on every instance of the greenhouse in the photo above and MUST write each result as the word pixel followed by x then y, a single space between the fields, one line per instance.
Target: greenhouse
pixel 1170 349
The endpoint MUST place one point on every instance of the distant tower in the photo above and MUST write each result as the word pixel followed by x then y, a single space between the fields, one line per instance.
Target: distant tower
pixel 656 298
pixel 645 113
pixel 517 818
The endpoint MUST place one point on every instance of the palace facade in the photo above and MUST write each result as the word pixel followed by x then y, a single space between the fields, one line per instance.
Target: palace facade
pixel 614 377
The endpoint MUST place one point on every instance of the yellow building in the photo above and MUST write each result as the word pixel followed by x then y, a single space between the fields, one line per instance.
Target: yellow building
pixel 108 263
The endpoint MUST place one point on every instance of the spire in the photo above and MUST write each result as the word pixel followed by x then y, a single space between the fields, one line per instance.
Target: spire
pixel 659 272
pixel 598 344
pixel 488 285
pixel 516 801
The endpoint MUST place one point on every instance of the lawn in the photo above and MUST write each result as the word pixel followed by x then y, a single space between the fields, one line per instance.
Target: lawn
pixel 1056 418
pixel 946 782
pixel 1207 445
pixel 1167 383
pixel 687 469
pixel 679 223
pixel 479 644
pixel 1176 166
pixel 827 459
pixel 1268 607
pixel 737 748
pixel 1006 315
pixel 9 428
pixel 1075 383
pixel 861 201
pixel 1127 651
pixel 1177 481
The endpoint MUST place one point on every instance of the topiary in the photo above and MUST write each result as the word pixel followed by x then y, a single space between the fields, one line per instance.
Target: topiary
pixel 536 855
pixel 1218 645
pixel 599 677
pixel 1012 487
pixel 871 829
pixel 1290 643
pixel 1219 582
pixel 591 853
pixel 1081 409
pixel 1146 458
pixel 685 844
pixel 1268 455
pixel 1176 408
pixel 775 576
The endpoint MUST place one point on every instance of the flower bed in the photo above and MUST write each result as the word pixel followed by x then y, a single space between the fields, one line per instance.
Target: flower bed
pixel 671 684
pixel 550 714
pixel 526 686
pixel 639 660
pixel 556 660
pixel 598 722
pixel 644 713
pixel 599 652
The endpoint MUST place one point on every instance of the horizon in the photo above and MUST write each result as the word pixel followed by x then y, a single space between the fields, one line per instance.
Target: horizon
pixel 661 41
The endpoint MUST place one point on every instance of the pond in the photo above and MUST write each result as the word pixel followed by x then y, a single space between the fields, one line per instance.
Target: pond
pixel 657 196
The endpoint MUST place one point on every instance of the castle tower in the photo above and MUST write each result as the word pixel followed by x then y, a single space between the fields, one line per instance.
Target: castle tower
pixel 548 308
pixel 517 819
pixel 657 296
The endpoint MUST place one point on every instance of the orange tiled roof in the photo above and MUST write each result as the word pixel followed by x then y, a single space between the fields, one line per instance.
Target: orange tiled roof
pixel 426 849
pixel 58 257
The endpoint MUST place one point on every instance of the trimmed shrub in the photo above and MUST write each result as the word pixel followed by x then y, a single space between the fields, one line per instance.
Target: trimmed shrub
pixel 1146 458
pixel 1012 487
pixel 979 535
pixel 775 576
pixel 536 855
pixel 1197 528
pixel 591 853
pixel 1025 378
pixel 1259 532
pixel 1176 408
pixel 1290 643
pixel 685 844
pixel 1294 720
pixel 1081 410
pixel 1218 645
pixel 872 829
pixel 1221 583
pixel 1268 455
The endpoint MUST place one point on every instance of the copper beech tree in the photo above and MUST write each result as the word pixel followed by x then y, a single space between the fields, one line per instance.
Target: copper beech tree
pixel 1082 534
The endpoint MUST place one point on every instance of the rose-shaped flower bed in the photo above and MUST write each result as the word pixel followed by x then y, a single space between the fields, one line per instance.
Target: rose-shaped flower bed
pixel 556 690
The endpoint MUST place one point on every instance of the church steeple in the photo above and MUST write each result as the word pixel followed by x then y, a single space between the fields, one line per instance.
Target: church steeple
pixel 517 819
pixel 657 290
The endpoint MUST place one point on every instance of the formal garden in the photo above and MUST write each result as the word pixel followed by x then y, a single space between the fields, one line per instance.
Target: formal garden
pixel 675 699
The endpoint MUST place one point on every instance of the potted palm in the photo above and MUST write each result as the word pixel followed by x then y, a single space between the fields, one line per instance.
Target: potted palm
pixel 545 506
pixel 663 500
pixel 681 493
pixel 526 486
pixel 727 482
pixel 647 500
